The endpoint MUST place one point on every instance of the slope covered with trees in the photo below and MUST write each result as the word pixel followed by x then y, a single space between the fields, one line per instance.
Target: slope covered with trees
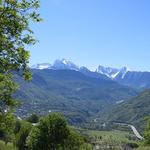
pixel 133 111
pixel 70 92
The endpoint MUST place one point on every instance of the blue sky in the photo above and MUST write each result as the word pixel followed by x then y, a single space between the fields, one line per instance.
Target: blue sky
pixel 112 33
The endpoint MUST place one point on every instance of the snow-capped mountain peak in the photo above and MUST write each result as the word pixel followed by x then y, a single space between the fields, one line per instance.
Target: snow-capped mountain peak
pixel 57 65
pixel 108 71
pixel 65 61
pixel 123 71
pixel 64 64
pixel 41 66
pixel 84 68
pixel 112 72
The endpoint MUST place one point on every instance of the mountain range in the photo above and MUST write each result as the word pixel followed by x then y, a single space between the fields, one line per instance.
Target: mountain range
pixel 136 79
pixel 81 94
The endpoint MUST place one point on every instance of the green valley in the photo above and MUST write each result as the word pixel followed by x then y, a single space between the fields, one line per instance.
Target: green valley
pixel 70 92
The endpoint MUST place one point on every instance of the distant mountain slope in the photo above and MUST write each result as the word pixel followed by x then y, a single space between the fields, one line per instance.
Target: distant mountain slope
pixel 112 73
pixel 135 79
pixel 139 80
pixel 70 92
pixel 92 74
pixel 124 76
pixel 132 111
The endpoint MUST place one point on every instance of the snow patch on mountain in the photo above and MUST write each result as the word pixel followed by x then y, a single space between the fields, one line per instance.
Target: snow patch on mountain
pixel 65 61
pixel 64 64
pixel 108 71
pixel 123 71
pixel 41 66
pixel 115 75
pixel 112 72
pixel 57 65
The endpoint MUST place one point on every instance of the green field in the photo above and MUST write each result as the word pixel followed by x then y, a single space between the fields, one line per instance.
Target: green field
pixel 112 136
pixel 114 139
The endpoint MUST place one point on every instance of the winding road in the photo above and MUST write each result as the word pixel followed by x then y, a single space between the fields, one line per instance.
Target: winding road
pixel 136 133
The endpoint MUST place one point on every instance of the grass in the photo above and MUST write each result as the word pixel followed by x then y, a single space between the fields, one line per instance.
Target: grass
pixel 111 137
pixel 9 146
pixel 144 148
pixel 115 139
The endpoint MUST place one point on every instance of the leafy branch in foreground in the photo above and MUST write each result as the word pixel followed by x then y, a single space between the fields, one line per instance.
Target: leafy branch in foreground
pixel 15 36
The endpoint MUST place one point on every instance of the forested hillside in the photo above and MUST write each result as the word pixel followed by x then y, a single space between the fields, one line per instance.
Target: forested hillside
pixel 71 92
pixel 133 111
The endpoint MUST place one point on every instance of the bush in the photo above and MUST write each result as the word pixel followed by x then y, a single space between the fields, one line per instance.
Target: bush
pixel 33 118
pixel 22 135
pixel 147 134
pixel 6 127
pixel 49 134
pixel 52 133
pixel 74 140
pixel 133 145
